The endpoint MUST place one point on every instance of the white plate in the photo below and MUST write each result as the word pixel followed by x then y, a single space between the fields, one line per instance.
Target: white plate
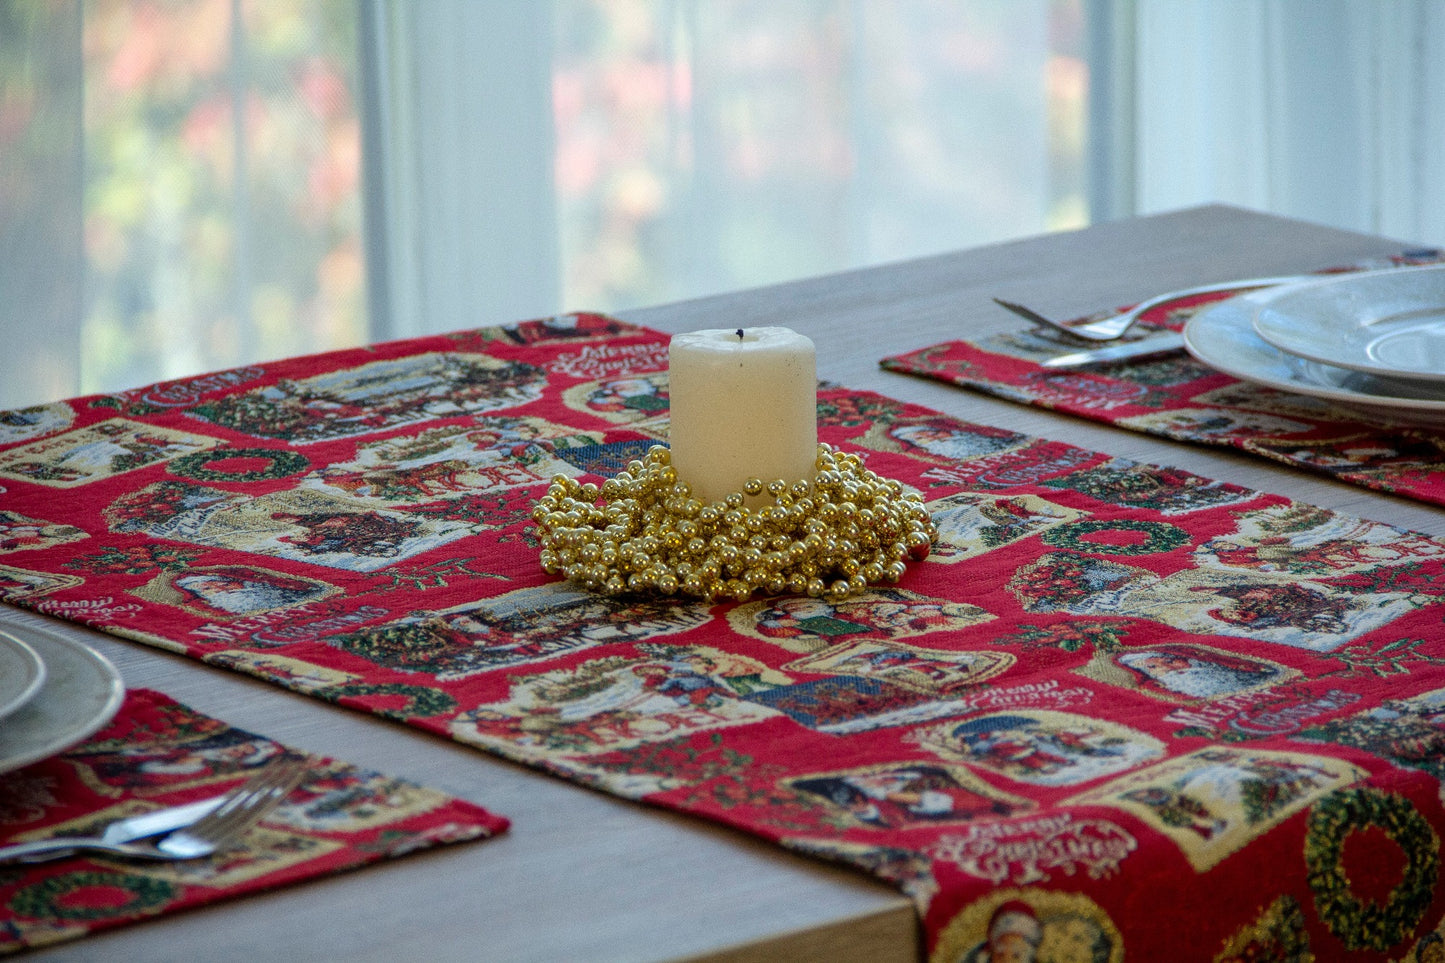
pixel 1388 323
pixel 81 692
pixel 1223 337
pixel 21 673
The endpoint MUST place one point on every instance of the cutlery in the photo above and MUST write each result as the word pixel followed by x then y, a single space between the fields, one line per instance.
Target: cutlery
pixel 1115 325
pixel 188 831
pixel 127 830
pixel 1156 344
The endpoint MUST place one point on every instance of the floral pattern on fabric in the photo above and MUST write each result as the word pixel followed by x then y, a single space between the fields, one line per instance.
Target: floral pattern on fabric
pixel 1113 690
pixel 157 753
pixel 1179 398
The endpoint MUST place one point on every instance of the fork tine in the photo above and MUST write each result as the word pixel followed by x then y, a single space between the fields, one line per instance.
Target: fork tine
pixel 1028 314
pixel 1078 333
pixel 249 804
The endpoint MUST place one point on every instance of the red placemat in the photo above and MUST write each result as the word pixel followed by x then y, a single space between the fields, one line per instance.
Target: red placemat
pixel 157 753
pixel 1176 397
pixel 1112 692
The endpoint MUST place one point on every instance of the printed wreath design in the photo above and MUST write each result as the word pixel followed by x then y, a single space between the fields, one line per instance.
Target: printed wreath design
pixel 1158 537
pixel 50 897
pixel 279 464
pixel 1361 925
pixel 420 701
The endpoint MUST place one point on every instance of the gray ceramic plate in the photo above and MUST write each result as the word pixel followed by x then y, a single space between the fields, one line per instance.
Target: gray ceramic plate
pixel 81 692
pixel 1223 337
pixel 21 673
pixel 1387 323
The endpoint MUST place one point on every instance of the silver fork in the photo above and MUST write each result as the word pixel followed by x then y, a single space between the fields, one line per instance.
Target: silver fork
pixel 215 831
pixel 1114 326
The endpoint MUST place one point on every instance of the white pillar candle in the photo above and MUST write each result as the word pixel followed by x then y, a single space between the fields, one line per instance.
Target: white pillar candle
pixel 744 405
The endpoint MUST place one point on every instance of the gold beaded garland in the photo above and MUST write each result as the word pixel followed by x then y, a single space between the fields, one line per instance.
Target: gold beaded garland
pixel 829 538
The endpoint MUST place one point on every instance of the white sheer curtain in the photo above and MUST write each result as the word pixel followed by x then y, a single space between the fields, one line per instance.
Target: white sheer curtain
pixel 583 154
pixel 179 189
pixel 458 136
pixel 192 184
pixel 1328 110
pixel 41 178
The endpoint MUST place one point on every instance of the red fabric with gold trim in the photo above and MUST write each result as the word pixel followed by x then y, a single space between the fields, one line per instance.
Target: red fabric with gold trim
pixel 157 753
pixel 1174 396
pixel 1114 690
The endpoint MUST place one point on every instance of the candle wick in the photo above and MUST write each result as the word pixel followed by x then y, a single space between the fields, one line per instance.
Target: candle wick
pixel 740 334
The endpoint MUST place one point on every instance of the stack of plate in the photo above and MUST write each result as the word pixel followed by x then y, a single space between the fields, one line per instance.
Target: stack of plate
pixel 1373 341
pixel 54 692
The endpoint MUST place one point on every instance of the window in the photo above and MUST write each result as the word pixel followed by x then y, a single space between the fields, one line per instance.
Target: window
pixel 193 184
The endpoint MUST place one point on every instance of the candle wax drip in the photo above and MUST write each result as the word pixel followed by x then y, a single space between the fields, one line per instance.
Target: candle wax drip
pixel 643 531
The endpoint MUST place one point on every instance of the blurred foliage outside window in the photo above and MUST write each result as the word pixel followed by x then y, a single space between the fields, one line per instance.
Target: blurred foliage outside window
pixel 215 216
pixel 706 146
pixel 222 219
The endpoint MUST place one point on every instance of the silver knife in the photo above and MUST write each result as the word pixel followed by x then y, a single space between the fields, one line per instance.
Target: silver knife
pixel 126 830
pixel 1155 344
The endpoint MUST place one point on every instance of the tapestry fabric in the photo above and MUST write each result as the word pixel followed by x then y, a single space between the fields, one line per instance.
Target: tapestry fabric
pixel 1119 708
pixel 1174 396
pixel 157 753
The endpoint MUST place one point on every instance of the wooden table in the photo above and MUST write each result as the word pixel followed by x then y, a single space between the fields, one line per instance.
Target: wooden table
pixel 582 875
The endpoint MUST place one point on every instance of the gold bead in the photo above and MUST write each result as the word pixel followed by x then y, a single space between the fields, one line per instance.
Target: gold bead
pixel 829 538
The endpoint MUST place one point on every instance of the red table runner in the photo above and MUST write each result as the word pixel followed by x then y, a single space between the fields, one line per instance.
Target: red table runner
pixel 1120 706
pixel 1182 399
pixel 157 753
